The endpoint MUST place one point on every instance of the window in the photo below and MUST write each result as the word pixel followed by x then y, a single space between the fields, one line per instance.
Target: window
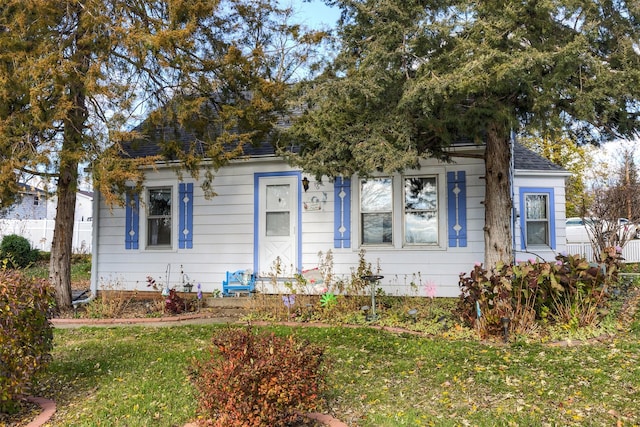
pixel 420 210
pixel 400 212
pixel 536 219
pixel 36 200
pixel 159 217
pixel 376 210
pixel 278 215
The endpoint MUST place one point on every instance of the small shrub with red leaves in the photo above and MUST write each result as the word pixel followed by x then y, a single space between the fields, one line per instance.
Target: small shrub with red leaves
pixel 259 379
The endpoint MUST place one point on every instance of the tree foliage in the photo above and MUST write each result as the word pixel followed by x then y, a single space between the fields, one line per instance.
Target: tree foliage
pixel 76 74
pixel 413 77
pixel 574 158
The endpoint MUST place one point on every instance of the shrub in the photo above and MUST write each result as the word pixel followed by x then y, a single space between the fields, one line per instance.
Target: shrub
pixel 17 250
pixel 175 304
pixel 25 334
pixel 570 291
pixel 259 379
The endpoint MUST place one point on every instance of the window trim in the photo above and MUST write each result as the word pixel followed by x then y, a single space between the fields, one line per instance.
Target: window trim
pixel 398 212
pixel 144 232
pixel 551 220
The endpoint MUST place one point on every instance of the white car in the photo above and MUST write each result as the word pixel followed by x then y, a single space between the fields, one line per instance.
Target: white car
pixel 580 230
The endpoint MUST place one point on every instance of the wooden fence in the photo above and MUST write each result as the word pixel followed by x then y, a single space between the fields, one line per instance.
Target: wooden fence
pixel 40 233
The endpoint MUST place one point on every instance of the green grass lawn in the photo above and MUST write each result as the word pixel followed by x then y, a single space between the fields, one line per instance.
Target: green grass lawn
pixel 80 269
pixel 134 376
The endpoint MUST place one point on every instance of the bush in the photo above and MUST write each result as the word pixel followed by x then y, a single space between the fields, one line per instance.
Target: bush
pixel 17 251
pixel 25 334
pixel 259 379
pixel 569 291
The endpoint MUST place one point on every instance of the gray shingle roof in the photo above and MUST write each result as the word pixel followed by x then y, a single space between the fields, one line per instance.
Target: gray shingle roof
pixel 524 158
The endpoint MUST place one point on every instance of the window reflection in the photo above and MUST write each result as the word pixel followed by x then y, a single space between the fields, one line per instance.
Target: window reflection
pixel 376 203
pixel 420 210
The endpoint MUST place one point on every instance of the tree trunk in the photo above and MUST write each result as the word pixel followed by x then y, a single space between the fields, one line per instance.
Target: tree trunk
pixel 497 201
pixel 61 247
pixel 69 159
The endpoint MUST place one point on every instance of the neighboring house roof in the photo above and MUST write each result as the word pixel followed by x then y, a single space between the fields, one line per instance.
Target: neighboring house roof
pixel 524 158
pixel 30 189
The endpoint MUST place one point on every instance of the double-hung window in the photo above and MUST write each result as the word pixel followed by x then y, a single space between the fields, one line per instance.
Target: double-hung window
pixel 420 210
pixel 159 217
pixel 536 219
pixel 376 211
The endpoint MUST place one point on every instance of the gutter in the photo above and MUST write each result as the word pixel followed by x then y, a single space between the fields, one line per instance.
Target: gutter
pixel 95 222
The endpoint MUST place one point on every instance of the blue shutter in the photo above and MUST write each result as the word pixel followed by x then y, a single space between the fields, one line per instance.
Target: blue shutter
pixel 342 213
pixel 132 221
pixel 457 208
pixel 185 226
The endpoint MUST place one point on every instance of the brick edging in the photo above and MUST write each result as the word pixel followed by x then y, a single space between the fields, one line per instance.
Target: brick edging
pixel 48 409
pixel 127 320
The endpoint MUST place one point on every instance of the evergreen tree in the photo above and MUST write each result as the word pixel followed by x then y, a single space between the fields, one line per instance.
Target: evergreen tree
pixel 75 75
pixel 413 76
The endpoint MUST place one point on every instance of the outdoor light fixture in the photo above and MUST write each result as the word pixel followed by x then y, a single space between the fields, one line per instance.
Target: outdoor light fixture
pixel 305 184
pixel 373 280
pixel 365 310
pixel 413 313
pixel 505 327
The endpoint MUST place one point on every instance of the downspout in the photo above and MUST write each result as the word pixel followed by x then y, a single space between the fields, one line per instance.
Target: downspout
pixel 95 226
pixel 512 185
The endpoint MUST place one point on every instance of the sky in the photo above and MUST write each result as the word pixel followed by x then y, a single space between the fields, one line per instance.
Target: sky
pixel 314 13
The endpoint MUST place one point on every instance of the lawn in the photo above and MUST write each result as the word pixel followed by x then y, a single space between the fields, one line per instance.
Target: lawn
pixel 135 376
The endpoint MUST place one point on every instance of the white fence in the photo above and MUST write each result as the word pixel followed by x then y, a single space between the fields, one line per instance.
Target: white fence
pixel 630 252
pixel 40 233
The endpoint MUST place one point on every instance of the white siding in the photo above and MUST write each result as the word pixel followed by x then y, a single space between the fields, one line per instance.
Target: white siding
pixel 223 235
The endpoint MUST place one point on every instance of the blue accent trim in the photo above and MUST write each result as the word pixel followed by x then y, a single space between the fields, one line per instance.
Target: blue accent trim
pixel 185 220
pixel 552 214
pixel 457 209
pixel 256 213
pixel 132 221
pixel 342 213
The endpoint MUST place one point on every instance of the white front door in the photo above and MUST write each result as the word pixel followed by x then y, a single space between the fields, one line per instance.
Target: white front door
pixel 277 225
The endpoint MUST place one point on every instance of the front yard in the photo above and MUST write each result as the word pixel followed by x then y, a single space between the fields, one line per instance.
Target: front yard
pixel 100 376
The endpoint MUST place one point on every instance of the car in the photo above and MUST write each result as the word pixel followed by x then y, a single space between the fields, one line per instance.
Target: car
pixel 580 230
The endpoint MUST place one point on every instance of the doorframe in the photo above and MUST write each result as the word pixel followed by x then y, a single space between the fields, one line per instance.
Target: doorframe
pixel 257 176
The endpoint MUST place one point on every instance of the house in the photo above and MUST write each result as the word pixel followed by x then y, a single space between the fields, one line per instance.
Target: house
pixel 422 226
pixel 33 217
pixel 32 203
pixel 84 206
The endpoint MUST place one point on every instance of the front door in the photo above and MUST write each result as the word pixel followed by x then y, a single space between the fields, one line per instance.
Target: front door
pixel 277 217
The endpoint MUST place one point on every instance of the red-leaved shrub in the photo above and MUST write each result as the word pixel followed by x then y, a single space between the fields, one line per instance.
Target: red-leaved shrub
pixel 259 379
pixel 25 334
